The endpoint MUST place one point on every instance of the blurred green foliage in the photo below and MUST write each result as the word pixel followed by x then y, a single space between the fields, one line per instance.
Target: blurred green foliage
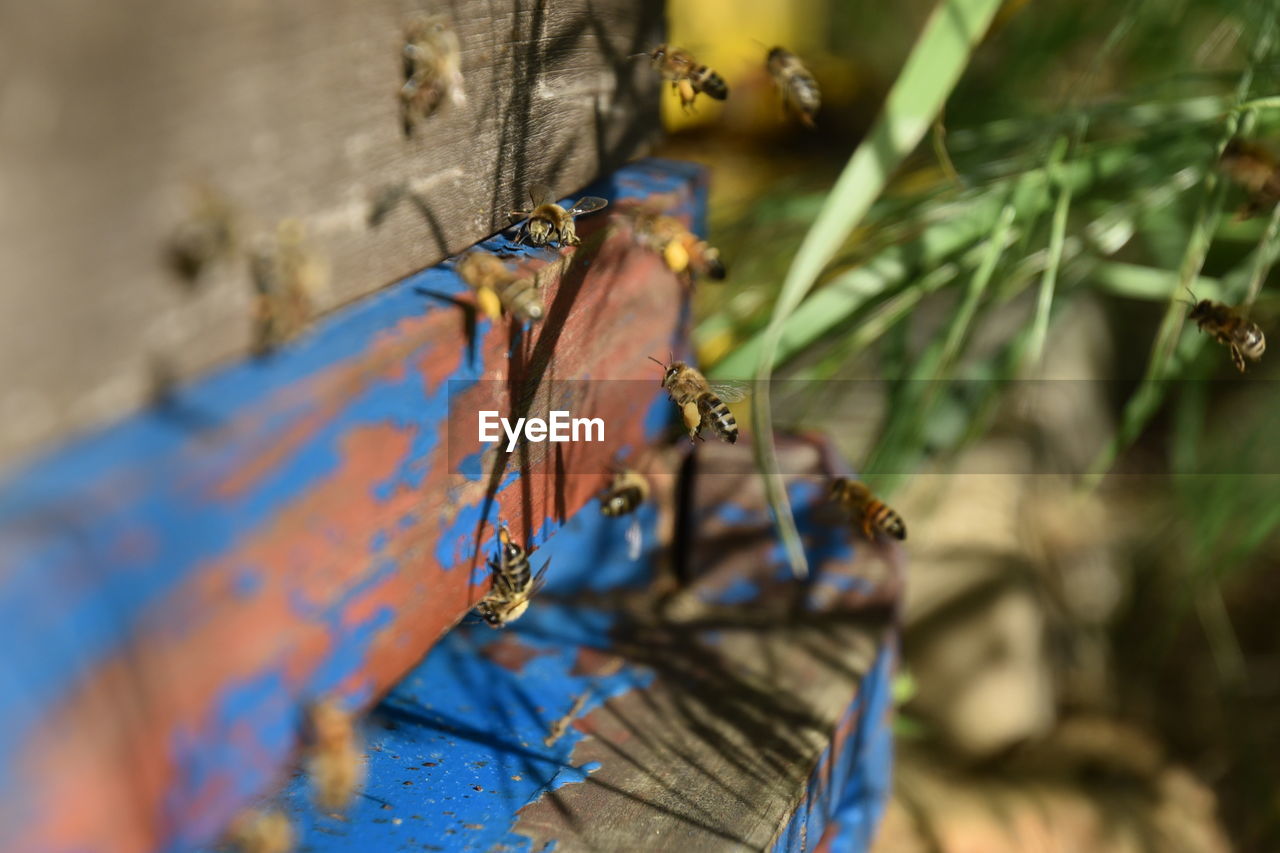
pixel 1076 161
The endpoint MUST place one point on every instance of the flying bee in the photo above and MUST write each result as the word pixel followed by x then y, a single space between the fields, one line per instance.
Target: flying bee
pixel 699 401
pixel 679 247
pixel 796 85
pixel 261 831
pixel 498 288
pixel 334 760
pixel 873 513
pixel 687 76
pixel 628 490
pixel 1230 328
pixel 548 221
pixel 432 69
pixel 1256 170
pixel 287 279
pixel 513 583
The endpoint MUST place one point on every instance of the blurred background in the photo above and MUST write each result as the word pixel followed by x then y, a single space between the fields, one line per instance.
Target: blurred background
pixel 1091 658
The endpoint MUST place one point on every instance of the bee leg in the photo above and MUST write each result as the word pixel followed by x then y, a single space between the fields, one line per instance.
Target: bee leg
pixel 1237 358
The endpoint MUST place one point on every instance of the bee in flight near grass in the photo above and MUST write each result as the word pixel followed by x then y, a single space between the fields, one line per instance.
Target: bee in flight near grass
pixel 1230 328
pixel 868 511
pixel 548 222
pixel 1255 168
pixel 628 490
pixel 700 401
pixel 688 77
pixel 679 247
pixel 796 85
pixel 513 583
pixel 498 288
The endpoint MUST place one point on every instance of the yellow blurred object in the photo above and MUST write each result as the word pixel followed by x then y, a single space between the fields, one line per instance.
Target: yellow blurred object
pixel 489 304
pixel 676 256
pixel 715 348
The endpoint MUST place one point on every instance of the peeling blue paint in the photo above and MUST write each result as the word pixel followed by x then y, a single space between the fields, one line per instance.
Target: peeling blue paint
pixel 846 801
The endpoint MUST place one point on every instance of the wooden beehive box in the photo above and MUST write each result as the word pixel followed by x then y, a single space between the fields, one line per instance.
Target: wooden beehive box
pixel 197 542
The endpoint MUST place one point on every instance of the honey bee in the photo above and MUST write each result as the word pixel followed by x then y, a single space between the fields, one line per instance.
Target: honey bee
pixel 513 583
pixel 261 831
pixel 287 279
pixel 548 221
pixel 1254 168
pixel 1230 328
pixel 207 236
pixel 687 77
pixel 873 513
pixel 334 760
pixel 700 401
pixel 432 69
pixel 796 85
pixel 628 490
pixel 498 288
pixel 679 247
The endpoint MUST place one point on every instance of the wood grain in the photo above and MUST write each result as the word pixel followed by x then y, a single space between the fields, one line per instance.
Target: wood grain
pixel 112 115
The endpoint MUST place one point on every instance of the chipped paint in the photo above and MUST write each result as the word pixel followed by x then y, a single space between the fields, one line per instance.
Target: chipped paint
pixel 198 572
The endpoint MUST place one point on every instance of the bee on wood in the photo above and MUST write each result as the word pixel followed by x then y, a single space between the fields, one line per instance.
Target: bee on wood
pixel 261 831
pixel 872 513
pixel 287 279
pixel 513 583
pixel 498 288
pixel 687 76
pixel 432 69
pixel 796 85
pixel 1230 328
pixel 1255 169
pixel 334 759
pixel 679 247
pixel 701 402
pixel 209 235
pixel 547 221
pixel 628 490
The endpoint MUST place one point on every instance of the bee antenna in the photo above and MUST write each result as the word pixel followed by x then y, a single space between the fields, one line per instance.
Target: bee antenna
pixel 655 361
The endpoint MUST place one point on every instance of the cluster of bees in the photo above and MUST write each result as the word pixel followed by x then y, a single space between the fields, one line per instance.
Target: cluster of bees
pixel 703 405
pixel 284 276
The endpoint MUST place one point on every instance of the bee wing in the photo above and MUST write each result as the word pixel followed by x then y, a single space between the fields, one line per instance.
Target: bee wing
pixel 539 578
pixel 730 392
pixel 541 194
pixel 587 205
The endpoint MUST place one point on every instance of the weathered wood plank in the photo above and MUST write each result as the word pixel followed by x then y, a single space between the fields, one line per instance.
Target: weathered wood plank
pixel 181 584
pixel 110 118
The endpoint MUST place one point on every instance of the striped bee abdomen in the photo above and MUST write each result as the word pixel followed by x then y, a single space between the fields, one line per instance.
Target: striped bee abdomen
pixel 722 420
pixel 709 82
pixel 522 299
pixel 878 516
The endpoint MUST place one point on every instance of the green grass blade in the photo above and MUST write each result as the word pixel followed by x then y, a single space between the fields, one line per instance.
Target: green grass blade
pixel 1044 301
pixel 939 57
